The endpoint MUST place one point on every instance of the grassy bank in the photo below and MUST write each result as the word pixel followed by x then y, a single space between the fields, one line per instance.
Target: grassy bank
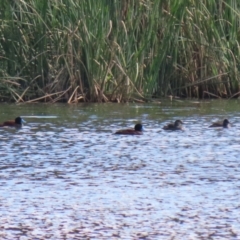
pixel 88 50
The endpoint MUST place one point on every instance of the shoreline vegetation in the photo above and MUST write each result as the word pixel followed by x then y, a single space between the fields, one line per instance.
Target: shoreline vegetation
pixel 118 50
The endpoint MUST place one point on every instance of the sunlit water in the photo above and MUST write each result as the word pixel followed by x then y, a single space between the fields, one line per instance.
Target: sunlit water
pixel 65 175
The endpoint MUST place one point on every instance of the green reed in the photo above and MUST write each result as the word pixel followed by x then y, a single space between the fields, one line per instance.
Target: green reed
pixel 88 50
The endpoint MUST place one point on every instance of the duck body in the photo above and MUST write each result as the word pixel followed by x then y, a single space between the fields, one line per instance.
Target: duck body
pixel 177 125
pixel 224 124
pixel 138 130
pixel 18 122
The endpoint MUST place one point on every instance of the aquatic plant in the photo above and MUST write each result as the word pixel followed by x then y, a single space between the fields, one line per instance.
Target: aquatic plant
pixel 87 50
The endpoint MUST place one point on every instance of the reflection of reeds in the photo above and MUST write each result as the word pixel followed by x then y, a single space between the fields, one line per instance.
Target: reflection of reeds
pixel 116 50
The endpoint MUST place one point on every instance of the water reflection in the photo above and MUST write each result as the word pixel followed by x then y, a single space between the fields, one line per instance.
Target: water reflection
pixel 70 177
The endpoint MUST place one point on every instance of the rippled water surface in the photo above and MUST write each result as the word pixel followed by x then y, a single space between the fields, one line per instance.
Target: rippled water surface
pixel 65 175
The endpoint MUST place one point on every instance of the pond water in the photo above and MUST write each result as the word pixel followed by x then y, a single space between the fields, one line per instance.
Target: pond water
pixel 65 175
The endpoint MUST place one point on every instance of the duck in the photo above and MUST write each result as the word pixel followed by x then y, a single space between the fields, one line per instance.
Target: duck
pixel 18 122
pixel 225 124
pixel 138 130
pixel 177 125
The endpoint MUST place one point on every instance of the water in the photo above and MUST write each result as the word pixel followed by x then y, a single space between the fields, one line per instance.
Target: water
pixel 65 175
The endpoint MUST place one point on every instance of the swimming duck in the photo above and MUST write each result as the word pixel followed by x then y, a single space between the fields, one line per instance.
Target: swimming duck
pixel 177 125
pixel 13 123
pixel 224 124
pixel 138 129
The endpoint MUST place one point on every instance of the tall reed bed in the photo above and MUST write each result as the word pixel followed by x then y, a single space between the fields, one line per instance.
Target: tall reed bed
pixel 88 50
